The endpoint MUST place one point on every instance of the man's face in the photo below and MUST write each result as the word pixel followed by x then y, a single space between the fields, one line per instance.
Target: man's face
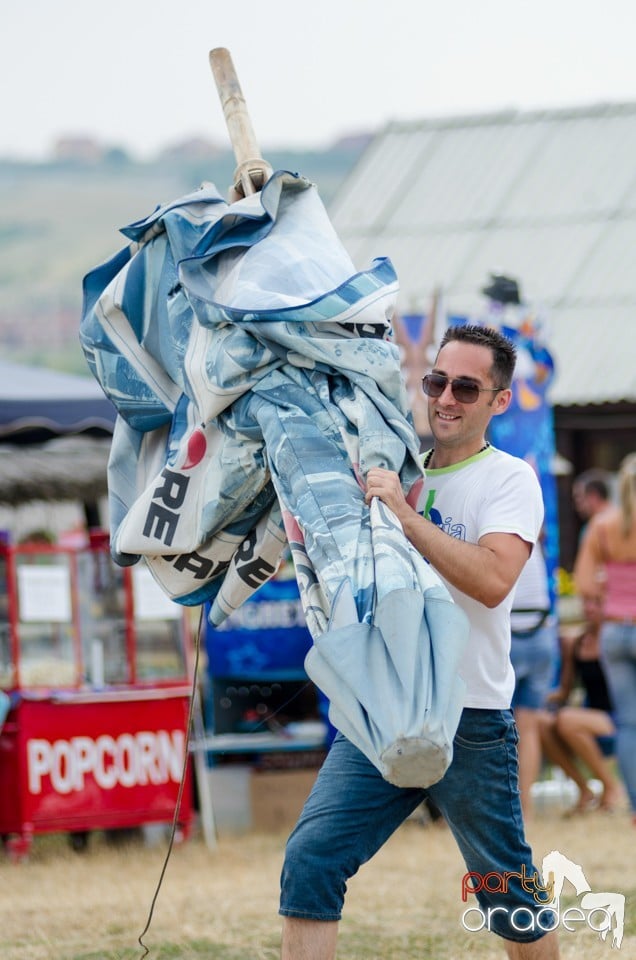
pixel 581 504
pixel 587 502
pixel 462 426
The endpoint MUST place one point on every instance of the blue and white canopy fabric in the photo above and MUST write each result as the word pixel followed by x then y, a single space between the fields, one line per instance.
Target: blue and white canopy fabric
pixel 256 383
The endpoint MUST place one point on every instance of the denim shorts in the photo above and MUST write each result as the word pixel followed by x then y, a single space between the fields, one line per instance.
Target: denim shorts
pixel 534 660
pixel 352 811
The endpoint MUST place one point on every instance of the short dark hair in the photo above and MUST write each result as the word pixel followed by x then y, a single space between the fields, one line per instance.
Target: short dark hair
pixel 595 481
pixel 503 350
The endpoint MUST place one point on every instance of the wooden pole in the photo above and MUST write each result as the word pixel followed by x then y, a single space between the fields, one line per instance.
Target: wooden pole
pixel 252 171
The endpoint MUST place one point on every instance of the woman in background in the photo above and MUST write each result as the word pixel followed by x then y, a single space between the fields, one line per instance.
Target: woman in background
pixel 580 738
pixel 605 573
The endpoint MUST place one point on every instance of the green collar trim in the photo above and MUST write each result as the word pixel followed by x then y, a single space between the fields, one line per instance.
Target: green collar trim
pixel 434 471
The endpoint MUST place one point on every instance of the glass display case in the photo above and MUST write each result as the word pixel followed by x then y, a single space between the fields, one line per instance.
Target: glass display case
pixel 95 660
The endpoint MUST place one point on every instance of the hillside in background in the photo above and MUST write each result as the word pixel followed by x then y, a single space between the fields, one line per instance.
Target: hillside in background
pixel 61 218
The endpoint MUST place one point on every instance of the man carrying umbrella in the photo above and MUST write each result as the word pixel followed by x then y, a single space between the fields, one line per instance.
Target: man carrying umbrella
pixel 482 515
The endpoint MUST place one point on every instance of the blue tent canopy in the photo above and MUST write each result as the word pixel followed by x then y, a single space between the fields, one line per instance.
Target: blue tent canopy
pixel 37 403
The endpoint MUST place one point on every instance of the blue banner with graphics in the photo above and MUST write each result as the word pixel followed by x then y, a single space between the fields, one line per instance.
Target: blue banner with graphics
pixel 526 430
pixel 265 636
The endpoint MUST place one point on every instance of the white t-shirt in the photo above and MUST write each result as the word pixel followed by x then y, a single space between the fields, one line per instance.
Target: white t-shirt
pixel 491 492
pixel 531 593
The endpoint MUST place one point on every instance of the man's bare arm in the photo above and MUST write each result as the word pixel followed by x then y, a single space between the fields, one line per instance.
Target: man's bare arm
pixel 485 571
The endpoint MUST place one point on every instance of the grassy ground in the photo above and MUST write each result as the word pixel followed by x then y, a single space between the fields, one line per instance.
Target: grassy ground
pixel 222 905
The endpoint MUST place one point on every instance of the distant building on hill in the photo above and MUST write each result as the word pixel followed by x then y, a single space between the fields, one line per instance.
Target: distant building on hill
pixel 193 148
pixel 82 148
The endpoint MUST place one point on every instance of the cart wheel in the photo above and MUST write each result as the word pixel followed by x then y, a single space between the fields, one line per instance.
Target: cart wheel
pixel 79 841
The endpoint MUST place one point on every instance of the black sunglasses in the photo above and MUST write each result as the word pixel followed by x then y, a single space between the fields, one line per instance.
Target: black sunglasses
pixel 463 390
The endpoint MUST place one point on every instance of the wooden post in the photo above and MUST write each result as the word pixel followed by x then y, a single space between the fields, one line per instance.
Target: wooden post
pixel 252 171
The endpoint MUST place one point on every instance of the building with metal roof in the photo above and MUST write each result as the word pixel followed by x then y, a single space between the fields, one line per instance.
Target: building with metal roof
pixel 547 197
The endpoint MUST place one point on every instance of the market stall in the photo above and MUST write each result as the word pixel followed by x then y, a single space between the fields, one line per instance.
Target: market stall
pixel 95 661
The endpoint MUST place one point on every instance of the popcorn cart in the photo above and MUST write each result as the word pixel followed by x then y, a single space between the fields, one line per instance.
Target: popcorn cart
pixel 94 670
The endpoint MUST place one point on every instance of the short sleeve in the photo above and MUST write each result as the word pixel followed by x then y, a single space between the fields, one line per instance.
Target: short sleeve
pixel 513 504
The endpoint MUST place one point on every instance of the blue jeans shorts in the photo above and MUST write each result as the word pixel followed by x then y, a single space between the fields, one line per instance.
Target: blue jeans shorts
pixel 352 811
pixel 534 660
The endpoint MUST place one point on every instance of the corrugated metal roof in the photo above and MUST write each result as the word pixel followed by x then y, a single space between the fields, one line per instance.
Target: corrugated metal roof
pixel 547 197
pixel 595 351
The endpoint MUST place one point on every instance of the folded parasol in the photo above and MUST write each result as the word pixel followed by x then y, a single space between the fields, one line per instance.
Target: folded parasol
pixel 256 382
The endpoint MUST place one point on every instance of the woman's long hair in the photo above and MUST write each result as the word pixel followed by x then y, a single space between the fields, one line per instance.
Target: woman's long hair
pixel 627 492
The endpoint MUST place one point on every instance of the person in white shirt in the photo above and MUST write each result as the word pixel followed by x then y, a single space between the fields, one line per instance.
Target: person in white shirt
pixel 534 654
pixel 482 516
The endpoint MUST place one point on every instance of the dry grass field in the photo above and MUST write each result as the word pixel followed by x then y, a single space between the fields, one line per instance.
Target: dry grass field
pixel 222 905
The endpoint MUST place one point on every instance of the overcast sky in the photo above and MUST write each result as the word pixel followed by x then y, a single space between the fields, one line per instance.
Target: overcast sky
pixel 135 73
